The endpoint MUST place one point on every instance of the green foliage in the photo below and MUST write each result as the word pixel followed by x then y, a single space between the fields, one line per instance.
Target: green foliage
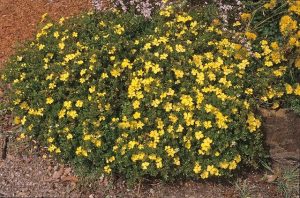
pixel 167 97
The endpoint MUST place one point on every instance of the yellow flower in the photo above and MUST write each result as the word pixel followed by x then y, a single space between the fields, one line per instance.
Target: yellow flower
pixel 51 148
pixel 237 158
pixel 56 34
pixel 170 151
pixel 22 136
pixel 297 90
pixel 50 139
pixel 145 165
pixel 73 114
pixel 68 104
pixel 74 34
pixel 180 128
pixel 249 91
pixel 183 19
pixel 232 165
pixel 104 75
pixel 179 48
pixel 61 45
pixel 295 7
pixel 168 107
pixel 155 103
pixel 136 104
pixel 187 100
pixel 245 16
pixel 61 20
pixel 23 120
pixel 136 157
pixel 204 174
pixel 136 115
pixel 52 85
pixel 176 161
pixel 69 136
pixel 17 120
pixel 287 25
pixel 197 168
pixel 118 29
pixel 288 88
pixel 163 56
pixel 61 113
pixel 79 103
pixel 64 76
pixel 205 146
pixel 178 73
pixel 126 64
pixel 279 72
pixel 223 165
pixel 173 118
pixel 57 150
pixel 87 137
pixel 166 12
pixel 199 135
pixel 49 100
pixel 207 124
pixel 81 151
pixel 271 4
pixel 107 169
pixel 115 72
pixel 253 123
pixel 268 63
pixel 92 89
pixel 250 35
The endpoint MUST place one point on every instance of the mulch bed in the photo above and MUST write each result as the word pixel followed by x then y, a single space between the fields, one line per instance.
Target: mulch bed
pixel 19 19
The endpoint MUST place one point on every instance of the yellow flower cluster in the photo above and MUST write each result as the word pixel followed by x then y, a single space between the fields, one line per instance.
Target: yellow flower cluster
pixel 287 25
pixel 271 4
pixel 253 123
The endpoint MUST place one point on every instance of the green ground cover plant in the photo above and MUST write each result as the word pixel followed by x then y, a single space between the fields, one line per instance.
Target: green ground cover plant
pixel 171 96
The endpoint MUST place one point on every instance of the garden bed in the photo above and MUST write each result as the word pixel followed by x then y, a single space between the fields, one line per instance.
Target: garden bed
pixel 27 170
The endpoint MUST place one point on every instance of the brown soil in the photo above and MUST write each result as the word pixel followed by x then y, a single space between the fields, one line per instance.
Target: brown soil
pixel 18 19
pixel 25 173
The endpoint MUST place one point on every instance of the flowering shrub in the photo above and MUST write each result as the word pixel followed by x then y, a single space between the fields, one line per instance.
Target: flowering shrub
pixel 165 98
pixel 274 26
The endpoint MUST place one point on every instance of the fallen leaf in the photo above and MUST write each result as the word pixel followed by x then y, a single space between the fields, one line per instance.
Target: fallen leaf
pixel 58 174
pixel 67 171
pixel 69 179
pixel 271 178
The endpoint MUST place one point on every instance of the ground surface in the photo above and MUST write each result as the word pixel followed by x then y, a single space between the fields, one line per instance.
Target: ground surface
pixel 18 19
pixel 25 173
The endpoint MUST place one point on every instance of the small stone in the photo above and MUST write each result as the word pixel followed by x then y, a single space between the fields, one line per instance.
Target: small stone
pixel 91 196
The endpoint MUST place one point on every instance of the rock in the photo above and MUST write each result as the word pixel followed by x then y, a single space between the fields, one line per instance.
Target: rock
pixel 91 196
pixel 282 132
